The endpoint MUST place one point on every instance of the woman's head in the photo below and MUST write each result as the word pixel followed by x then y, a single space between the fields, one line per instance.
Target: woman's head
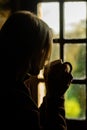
pixel 30 38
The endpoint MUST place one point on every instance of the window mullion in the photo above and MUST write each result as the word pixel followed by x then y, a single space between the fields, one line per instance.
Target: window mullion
pixel 61 30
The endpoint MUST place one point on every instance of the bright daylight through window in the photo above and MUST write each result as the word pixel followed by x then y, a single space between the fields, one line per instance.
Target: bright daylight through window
pixel 74 28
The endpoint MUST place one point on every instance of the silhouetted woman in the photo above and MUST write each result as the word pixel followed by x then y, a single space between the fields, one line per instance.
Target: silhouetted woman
pixel 26 45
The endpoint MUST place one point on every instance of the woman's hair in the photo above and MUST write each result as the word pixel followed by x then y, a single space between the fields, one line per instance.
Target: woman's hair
pixel 26 35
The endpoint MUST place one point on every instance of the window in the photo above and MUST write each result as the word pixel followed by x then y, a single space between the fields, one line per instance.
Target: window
pixel 68 22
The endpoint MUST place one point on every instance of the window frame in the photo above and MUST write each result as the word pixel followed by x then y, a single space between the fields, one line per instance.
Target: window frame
pixel 62 41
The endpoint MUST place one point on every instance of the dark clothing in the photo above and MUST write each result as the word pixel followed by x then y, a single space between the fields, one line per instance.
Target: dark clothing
pixel 21 107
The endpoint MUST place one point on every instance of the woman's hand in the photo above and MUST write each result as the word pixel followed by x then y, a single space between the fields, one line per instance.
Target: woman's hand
pixel 57 77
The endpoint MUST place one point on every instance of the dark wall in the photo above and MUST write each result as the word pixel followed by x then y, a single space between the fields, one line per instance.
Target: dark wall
pixel 30 5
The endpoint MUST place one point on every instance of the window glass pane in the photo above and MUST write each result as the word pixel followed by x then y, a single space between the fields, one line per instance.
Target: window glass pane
pixel 75 20
pixel 55 52
pixel 76 54
pixel 41 93
pixel 49 12
pixel 75 97
pixel 75 102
